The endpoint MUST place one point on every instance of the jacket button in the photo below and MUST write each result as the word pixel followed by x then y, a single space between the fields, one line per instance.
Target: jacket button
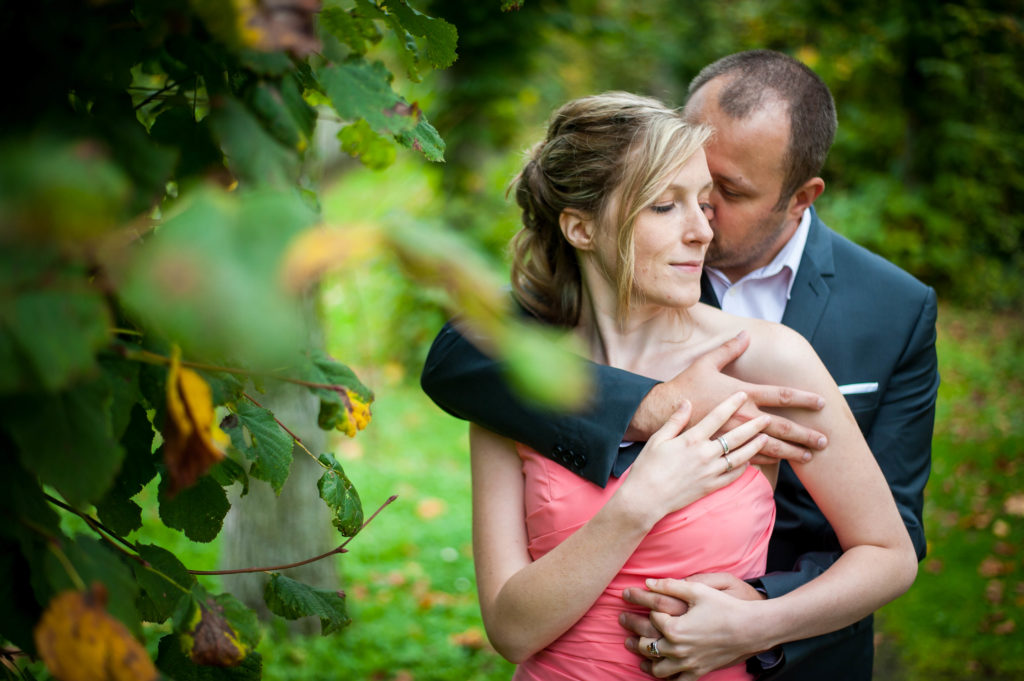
pixel 578 460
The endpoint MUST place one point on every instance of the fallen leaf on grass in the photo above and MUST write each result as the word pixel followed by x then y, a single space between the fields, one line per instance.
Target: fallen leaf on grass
pixel 431 508
pixel 471 638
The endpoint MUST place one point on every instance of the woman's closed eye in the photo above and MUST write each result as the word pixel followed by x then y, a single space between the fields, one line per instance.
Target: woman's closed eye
pixel 663 207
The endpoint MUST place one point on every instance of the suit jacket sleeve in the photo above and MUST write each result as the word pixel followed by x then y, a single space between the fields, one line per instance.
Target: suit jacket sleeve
pixel 468 384
pixel 900 437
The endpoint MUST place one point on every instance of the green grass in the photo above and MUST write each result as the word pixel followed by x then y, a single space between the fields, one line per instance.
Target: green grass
pixel 964 616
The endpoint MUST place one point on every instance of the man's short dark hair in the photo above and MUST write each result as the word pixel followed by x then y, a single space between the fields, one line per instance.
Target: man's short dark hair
pixel 757 77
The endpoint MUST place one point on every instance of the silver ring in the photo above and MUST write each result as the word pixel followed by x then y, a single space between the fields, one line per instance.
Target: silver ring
pixel 652 648
pixel 725 445
pixel 727 463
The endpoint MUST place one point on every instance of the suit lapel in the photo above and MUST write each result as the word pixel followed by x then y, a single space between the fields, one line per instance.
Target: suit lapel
pixel 707 292
pixel 811 290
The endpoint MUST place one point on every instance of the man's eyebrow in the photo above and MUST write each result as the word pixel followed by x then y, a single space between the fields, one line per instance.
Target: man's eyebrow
pixel 736 182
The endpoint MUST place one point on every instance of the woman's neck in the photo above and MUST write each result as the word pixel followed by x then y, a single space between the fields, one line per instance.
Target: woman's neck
pixel 637 342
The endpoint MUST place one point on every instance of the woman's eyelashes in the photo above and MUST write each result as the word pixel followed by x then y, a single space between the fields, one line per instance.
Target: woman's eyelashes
pixel 663 207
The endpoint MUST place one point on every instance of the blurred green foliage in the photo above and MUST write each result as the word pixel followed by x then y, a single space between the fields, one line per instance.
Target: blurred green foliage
pixel 928 164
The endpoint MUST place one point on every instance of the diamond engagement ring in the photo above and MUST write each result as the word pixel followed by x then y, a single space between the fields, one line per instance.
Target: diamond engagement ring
pixel 652 648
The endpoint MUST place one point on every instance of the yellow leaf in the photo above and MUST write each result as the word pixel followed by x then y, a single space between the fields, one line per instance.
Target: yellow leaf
pixel 356 413
pixel 79 641
pixel 319 250
pixel 212 641
pixel 192 439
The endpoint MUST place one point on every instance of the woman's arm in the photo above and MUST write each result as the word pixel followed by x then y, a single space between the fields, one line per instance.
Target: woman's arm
pixel 528 604
pixel 878 562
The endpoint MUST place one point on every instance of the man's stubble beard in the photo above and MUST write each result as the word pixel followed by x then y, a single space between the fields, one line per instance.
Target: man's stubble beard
pixel 766 237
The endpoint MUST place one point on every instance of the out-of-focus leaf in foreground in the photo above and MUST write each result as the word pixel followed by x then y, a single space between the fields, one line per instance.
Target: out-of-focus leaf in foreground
pixel 79 641
pixel 201 279
pixel 541 362
pixel 193 441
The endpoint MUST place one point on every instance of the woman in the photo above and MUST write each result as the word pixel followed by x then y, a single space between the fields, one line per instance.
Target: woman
pixel 612 247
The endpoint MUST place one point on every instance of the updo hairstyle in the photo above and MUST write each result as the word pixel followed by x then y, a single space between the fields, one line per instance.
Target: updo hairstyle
pixel 613 145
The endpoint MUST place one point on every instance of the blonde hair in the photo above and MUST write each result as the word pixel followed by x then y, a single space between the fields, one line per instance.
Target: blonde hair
pixel 614 144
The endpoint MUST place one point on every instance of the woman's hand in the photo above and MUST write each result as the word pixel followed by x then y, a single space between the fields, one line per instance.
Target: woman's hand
pixel 678 467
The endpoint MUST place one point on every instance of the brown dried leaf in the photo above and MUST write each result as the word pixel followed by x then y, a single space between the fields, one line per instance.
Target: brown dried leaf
pixel 192 439
pixel 274 25
pixel 79 641
pixel 1014 505
pixel 212 641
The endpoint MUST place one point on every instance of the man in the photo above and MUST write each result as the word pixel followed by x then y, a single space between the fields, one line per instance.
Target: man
pixel 872 324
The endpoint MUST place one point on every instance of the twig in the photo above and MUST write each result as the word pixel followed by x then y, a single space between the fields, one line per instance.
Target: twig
pixel 286 429
pixel 276 568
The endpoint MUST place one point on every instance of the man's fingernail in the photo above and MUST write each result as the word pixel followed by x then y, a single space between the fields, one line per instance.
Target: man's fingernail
pixel 806 457
pixel 821 403
pixel 822 442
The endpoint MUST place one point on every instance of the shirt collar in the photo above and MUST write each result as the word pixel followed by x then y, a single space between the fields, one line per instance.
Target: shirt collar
pixel 788 257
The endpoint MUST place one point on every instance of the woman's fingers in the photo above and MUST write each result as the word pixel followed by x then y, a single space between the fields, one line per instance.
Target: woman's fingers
pixel 675 424
pixel 718 417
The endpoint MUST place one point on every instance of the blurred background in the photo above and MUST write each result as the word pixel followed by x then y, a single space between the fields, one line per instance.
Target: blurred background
pixel 927 170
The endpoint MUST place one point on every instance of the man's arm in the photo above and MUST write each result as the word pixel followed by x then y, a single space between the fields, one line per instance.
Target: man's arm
pixel 468 384
pixel 901 439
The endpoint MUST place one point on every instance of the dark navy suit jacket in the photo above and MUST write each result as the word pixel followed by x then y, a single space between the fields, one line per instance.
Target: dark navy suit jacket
pixel 869 321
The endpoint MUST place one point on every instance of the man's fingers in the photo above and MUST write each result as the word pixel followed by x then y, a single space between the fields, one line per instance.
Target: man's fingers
pixel 775 449
pixel 729 351
pixel 676 423
pixel 638 624
pixel 677 588
pixel 716 580
pixel 654 601
pixel 718 416
pixel 782 396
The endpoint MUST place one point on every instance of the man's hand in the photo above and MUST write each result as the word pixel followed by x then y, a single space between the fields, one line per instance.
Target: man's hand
pixel 705 386
pixel 716 630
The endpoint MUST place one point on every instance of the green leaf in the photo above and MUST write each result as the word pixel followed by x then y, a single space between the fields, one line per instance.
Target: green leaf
pixel 198 511
pixel 227 471
pixel 341 497
pixel 202 280
pixel 360 141
pixel 271 446
pixel 267 102
pixel 94 562
pixel 58 330
pixel 334 406
pixel 67 440
pixel 164 583
pixel 425 139
pixel 199 153
pixel 116 509
pixel 175 664
pixel 244 620
pixel 19 611
pixel 360 89
pixel 351 27
pixel 440 36
pixel 292 600
pixel 123 377
pixel 253 155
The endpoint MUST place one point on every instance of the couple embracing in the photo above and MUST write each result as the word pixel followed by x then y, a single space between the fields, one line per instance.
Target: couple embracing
pixel 675 528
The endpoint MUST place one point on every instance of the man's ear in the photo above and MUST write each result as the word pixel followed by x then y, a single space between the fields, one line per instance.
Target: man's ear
pixel 804 196
pixel 577 228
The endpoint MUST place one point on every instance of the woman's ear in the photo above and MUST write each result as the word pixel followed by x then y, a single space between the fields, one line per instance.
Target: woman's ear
pixel 577 228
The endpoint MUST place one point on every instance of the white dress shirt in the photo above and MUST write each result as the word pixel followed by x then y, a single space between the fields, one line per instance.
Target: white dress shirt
pixel 763 293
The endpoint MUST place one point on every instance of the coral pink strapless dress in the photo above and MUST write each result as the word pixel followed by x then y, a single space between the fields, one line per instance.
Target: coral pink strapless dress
pixel 726 531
